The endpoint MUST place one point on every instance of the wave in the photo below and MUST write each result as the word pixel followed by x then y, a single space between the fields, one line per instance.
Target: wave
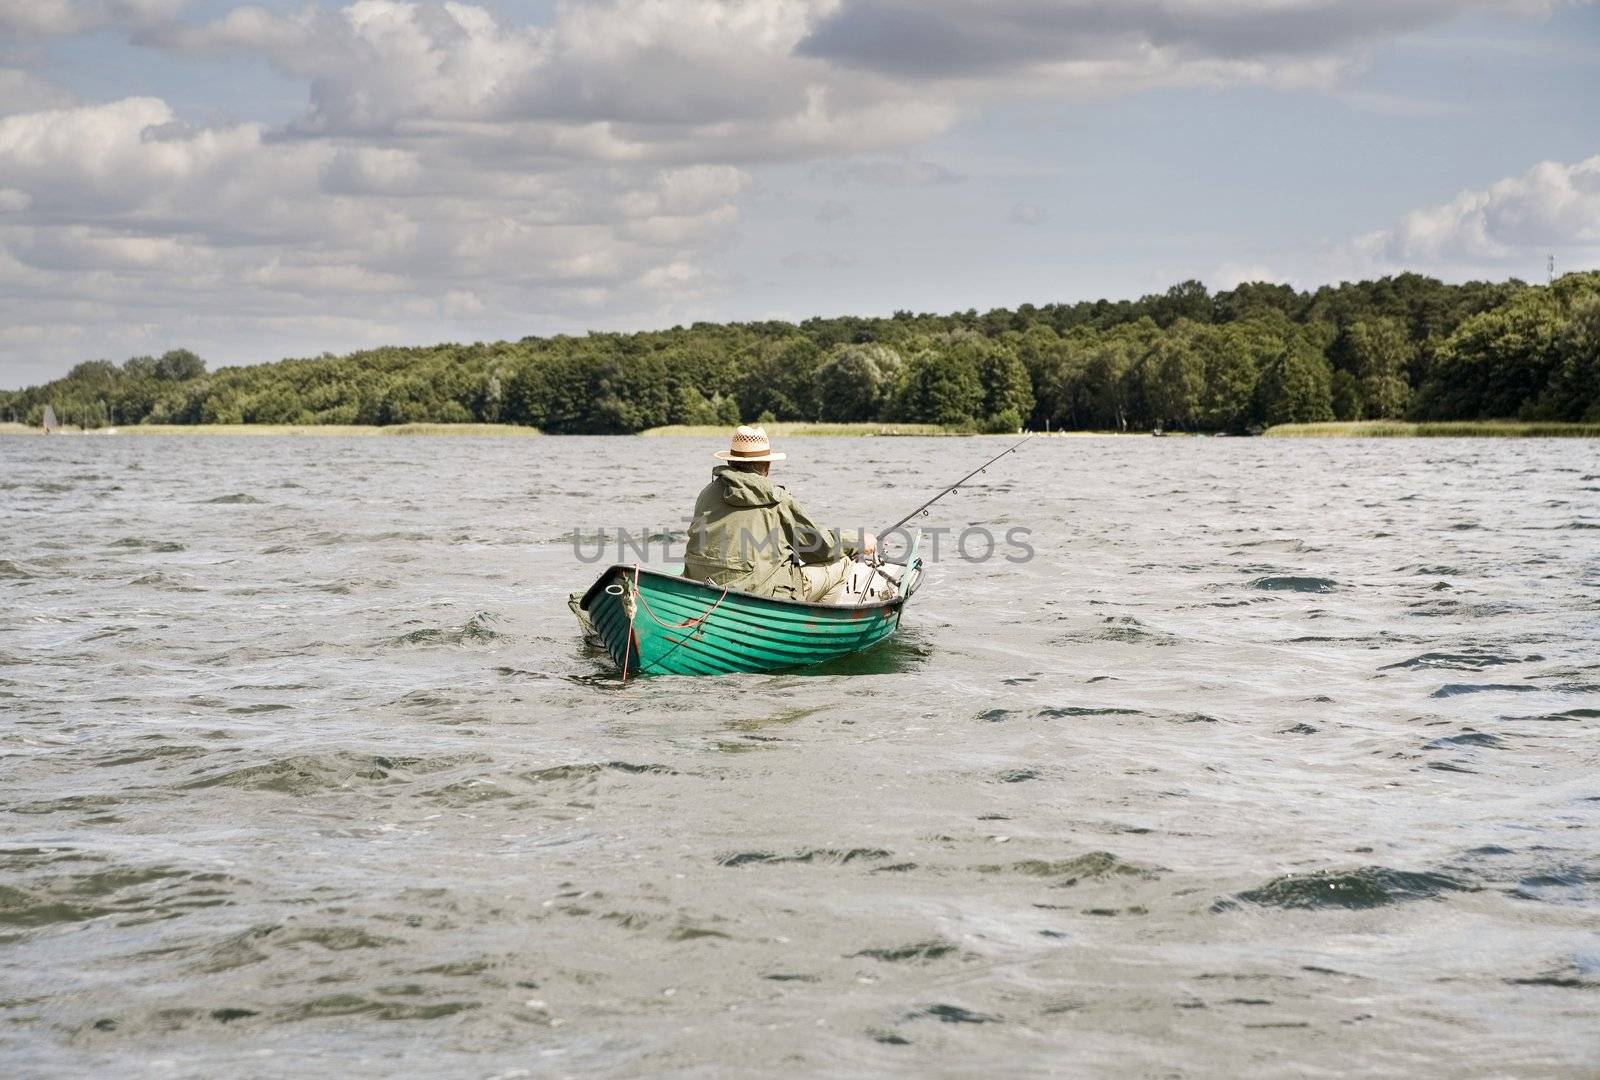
pixel 1368 887
pixel 1284 583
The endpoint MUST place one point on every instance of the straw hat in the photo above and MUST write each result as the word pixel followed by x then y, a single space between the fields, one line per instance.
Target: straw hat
pixel 749 444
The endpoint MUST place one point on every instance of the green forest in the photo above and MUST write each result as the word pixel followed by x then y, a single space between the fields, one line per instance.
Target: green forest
pixel 1187 359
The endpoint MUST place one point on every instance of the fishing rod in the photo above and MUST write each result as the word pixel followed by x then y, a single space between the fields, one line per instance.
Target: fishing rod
pixel 877 560
pixel 924 507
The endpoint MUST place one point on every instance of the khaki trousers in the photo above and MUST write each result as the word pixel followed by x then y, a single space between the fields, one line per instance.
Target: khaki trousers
pixel 825 582
pixel 845 581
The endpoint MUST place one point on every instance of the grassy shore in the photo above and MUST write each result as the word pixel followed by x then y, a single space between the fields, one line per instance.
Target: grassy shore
pixel 1400 429
pixel 788 430
pixel 705 430
pixel 1355 429
pixel 292 429
pixel 777 430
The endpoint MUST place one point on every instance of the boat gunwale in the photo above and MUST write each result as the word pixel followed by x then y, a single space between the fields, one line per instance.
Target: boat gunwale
pixel 624 568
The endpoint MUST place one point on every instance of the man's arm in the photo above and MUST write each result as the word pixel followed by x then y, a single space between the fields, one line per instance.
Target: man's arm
pixel 815 544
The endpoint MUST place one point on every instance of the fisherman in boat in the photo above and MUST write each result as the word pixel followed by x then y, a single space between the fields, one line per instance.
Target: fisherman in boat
pixel 750 534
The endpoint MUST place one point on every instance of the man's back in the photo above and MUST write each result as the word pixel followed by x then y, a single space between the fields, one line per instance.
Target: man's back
pixel 749 534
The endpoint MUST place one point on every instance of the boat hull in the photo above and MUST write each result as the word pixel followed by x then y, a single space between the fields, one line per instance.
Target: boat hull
pixel 662 624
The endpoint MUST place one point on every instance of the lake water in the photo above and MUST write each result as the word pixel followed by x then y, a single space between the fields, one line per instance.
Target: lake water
pixel 1280 758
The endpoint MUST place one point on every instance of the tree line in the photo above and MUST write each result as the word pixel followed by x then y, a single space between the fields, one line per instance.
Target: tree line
pixel 1406 346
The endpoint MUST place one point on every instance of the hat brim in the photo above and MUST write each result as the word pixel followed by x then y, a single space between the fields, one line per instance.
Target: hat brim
pixel 729 455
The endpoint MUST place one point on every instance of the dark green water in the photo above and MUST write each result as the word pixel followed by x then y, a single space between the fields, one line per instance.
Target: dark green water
pixel 1280 758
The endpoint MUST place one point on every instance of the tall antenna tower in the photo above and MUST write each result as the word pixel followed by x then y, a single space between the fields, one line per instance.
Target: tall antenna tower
pixel 1550 269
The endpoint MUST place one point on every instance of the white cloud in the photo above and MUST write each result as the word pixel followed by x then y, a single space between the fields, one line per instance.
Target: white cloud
pixel 118 216
pixel 612 80
pixel 702 80
pixel 23 91
pixel 60 18
pixel 675 275
pixel 1550 208
pixel 938 39
pixel 452 168
pixel 462 302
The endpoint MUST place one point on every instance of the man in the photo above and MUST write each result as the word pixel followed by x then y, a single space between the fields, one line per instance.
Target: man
pixel 750 534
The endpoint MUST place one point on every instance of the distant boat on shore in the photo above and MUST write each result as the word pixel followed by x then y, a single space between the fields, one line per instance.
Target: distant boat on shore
pixel 50 424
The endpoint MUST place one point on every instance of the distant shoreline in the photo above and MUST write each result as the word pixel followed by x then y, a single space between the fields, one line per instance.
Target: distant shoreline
pixel 779 430
pixel 1401 429
pixel 1362 429
pixel 311 430
pixel 789 429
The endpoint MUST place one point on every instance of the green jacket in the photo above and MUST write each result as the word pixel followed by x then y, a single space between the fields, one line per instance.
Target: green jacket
pixel 750 534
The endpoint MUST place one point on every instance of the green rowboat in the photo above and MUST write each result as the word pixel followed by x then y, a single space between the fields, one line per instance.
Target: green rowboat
pixel 655 623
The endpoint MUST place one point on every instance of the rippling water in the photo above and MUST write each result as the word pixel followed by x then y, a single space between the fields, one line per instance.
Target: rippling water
pixel 1279 758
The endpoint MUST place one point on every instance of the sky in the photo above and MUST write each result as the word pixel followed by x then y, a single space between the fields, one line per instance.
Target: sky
pixel 256 181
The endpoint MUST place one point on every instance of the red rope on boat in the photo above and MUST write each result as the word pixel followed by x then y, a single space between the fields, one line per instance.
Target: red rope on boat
pixel 638 596
pixel 697 623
